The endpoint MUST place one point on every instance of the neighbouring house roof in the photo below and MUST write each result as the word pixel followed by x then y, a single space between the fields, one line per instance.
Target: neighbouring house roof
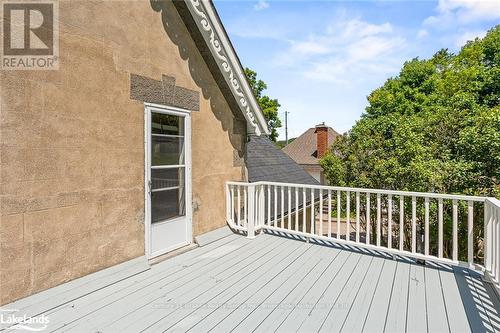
pixel 210 37
pixel 303 149
pixel 266 162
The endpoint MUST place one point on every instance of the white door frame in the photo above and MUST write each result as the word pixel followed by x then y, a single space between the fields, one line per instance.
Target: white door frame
pixel 148 108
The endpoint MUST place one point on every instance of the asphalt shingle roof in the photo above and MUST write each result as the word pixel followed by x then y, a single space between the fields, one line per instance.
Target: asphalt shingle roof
pixel 303 149
pixel 266 162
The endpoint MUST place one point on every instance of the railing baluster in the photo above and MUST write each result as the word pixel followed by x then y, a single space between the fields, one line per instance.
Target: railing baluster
pixel 239 205
pixel 493 244
pixel 304 205
pixel 367 240
pixel 262 205
pixel 245 206
pixel 413 224
pixel 348 215
pixel 282 206
pixel 329 213
pixel 357 216
pixel 233 217
pixel 251 211
pixel 338 214
pixel 389 221
pixel 289 208
pixel 496 243
pixel 379 213
pixel 470 231
pixel 321 212
pixel 275 222
pixel 401 223
pixel 426 227
pixel 296 209
pixel 488 221
pixel 312 211
pixel 268 204
pixel 227 192
pixel 440 228
pixel 455 230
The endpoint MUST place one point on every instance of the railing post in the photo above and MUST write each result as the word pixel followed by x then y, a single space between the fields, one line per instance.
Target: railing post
pixel 228 203
pixel 487 234
pixel 251 211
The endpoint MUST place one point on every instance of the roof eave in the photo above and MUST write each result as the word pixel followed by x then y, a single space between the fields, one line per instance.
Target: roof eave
pixel 215 38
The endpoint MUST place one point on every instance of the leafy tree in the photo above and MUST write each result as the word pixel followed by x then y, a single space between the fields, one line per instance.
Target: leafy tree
pixel 434 128
pixel 268 105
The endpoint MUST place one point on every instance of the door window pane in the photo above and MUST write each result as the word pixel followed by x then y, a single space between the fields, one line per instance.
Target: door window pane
pixel 167 150
pixel 167 184
pixel 167 204
pixel 167 124
pixel 164 178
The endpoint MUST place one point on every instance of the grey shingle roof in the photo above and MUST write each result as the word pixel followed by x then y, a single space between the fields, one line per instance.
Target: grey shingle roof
pixel 303 149
pixel 266 162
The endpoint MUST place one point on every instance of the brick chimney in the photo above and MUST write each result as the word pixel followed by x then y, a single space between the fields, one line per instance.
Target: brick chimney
pixel 321 139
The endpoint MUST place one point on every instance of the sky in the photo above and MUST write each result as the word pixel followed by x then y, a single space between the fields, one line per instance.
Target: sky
pixel 321 59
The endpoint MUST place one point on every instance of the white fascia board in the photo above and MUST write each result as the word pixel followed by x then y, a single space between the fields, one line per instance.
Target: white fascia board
pixel 216 38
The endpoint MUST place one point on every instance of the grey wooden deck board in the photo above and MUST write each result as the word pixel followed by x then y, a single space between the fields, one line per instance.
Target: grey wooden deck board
pixel 485 302
pixel 149 282
pixel 310 295
pixel 227 279
pixel 437 319
pixel 339 299
pixel 267 320
pixel 416 316
pixel 233 308
pixel 286 279
pixel 494 308
pixel 305 275
pixel 396 315
pixel 477 320
pixel 143 308
pixel 273 284
pixel 54 297
pixel 319 297
pixel 213 236
pixel 347 299
pixel 186 318
pixel 453 302
pixel 375 318
pixel 358 311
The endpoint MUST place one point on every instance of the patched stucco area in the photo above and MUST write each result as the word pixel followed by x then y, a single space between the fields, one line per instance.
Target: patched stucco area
pixel 72 144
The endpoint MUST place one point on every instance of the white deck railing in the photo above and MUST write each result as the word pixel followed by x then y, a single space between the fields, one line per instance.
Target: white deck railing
pixel 446 228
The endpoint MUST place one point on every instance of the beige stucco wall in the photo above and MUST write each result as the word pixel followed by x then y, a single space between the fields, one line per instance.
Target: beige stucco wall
pixel 72 155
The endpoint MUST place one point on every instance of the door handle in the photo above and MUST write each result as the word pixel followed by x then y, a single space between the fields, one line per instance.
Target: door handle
pixel 149 187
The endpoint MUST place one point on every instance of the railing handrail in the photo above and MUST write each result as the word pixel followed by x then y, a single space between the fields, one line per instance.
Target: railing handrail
pixel 375 191
pixel 493 201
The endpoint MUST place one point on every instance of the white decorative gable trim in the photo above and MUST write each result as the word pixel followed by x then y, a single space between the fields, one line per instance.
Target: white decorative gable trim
pixel 213 33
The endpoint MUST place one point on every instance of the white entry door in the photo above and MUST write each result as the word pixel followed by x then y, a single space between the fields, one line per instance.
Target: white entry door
pixel 168 179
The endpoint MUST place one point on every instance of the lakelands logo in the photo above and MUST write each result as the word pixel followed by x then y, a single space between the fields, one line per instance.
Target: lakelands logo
pixel 10 318
pixel 30 35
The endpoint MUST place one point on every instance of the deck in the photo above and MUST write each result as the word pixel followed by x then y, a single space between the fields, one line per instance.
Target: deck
pixel 272 283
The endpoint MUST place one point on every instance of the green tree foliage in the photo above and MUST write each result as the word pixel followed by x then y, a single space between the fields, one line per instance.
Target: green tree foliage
pixel 268 105
pixel 433 128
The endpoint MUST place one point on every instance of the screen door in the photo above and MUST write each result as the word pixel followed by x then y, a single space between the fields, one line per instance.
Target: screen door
pixel 168 181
